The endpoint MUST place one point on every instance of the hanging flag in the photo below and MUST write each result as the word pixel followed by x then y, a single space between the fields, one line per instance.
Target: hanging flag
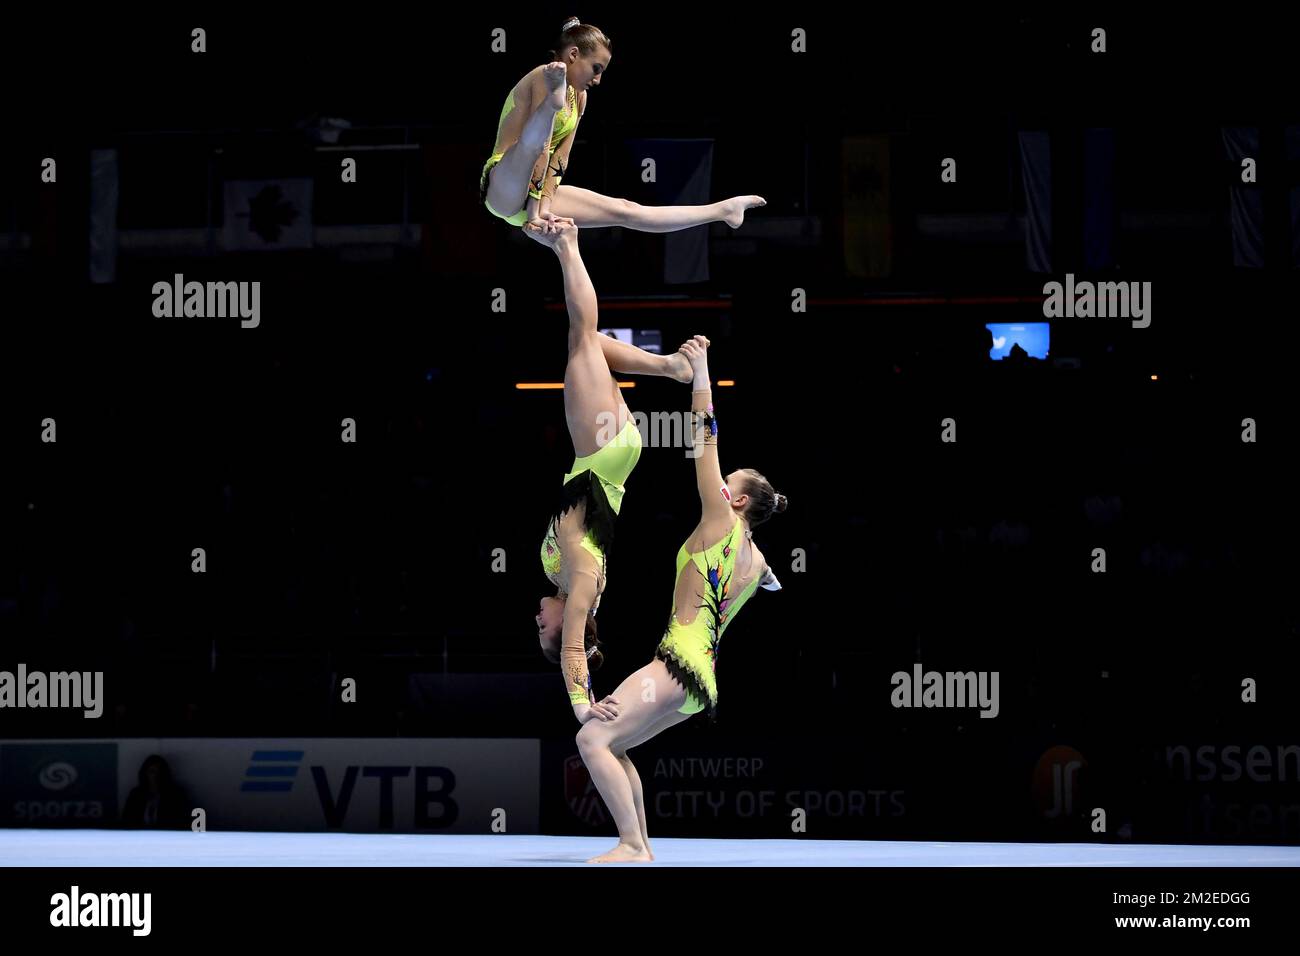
pixel 267 214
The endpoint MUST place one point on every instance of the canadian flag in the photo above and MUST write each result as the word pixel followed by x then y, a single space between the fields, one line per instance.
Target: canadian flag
pixel 268 214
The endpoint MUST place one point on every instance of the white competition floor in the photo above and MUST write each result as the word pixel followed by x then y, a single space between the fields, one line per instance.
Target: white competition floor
pixel 183 848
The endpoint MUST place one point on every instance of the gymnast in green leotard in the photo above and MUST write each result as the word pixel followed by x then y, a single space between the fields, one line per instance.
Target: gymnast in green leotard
pixel 719 568
pixel 607 445
pixel 521 181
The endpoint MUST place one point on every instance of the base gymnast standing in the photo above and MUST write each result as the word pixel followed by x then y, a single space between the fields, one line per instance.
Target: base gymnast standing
pixel 718 569
pixel 521 181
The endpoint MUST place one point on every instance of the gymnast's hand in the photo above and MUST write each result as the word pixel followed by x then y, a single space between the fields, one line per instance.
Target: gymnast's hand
pixel 607 709
pixel 548 223
pixel 697 350
pixel 553 234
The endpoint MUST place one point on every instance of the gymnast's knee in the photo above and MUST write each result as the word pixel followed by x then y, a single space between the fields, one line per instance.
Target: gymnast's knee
pixel 590 737
pixel 581 340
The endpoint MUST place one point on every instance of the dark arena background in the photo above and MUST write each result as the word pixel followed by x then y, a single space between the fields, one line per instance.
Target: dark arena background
pixel 296 551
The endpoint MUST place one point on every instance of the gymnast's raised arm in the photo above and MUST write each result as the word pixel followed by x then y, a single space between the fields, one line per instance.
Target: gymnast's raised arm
pixel 715 500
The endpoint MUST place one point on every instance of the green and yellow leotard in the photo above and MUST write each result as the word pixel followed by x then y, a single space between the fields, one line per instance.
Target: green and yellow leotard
pixel 598 481
pixel 691 650
pixel 546 177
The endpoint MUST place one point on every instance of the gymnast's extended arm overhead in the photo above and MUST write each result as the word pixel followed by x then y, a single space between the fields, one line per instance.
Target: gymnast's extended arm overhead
pixel 715 500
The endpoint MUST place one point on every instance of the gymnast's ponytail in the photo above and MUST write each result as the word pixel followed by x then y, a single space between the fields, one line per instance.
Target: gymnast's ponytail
pixel 764 500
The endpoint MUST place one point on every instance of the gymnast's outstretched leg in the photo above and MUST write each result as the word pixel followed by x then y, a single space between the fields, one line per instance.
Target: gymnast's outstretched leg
pixel 591 210
pixel 629 360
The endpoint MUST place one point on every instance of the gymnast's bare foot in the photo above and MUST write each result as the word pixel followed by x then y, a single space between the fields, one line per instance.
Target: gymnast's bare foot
pixel 679 365
pixel 555 75
pixel 734 209
pixel 624 853
pixel 559 236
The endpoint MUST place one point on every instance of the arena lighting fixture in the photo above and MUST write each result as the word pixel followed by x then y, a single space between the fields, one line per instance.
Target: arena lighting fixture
pixel 536 385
